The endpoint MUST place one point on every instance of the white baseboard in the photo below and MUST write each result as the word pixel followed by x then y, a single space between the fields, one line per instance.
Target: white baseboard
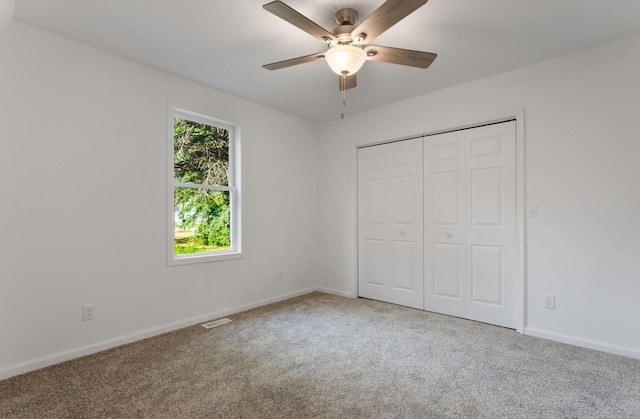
pixel 59 357
pixel 584 343
pixel 337 292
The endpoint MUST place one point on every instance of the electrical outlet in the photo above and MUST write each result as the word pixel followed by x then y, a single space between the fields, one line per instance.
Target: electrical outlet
pixel 550 302
pixel 88 312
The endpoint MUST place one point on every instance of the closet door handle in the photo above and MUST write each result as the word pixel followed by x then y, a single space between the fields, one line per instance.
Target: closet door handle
pixel 401 233
pixel 448 235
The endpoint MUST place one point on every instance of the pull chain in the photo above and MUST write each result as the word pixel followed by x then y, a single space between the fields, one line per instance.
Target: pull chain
pixel 344 88
pixel 343 91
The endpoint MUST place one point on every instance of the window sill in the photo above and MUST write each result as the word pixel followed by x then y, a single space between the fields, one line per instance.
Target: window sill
pixel 203 258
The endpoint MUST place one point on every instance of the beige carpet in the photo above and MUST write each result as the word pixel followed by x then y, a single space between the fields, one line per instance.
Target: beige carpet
pixel 331 357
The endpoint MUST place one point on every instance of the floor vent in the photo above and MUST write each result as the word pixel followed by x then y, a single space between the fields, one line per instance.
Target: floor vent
pixel 215 323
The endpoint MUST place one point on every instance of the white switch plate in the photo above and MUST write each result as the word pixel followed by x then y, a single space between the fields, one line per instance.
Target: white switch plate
pixel 532 211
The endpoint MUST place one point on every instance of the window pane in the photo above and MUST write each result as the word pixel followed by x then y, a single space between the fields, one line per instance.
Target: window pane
pixel 202 221
pixel 201 153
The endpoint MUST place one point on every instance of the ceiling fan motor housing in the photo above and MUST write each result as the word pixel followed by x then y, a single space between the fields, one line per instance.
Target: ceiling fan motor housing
pixel 346 20
pixel 343 33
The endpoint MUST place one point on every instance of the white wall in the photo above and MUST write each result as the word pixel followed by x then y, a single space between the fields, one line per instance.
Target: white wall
pixel 582 170
pixel 6 13
pixel 82 174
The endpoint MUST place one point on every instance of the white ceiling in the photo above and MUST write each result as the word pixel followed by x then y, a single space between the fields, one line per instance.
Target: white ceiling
pixel 224 44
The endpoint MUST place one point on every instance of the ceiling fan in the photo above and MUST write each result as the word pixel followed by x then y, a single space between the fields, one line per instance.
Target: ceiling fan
pixel 349 43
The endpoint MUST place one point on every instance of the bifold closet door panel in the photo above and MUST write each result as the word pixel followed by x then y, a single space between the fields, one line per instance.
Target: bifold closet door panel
pixel 470 223
pixel 491 224
pixel 390 227
pixel 444 224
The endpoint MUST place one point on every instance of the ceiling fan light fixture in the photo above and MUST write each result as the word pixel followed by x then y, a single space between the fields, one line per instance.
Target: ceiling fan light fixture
pixel 345 59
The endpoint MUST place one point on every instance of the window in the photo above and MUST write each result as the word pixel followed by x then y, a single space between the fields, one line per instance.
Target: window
pixel 203 216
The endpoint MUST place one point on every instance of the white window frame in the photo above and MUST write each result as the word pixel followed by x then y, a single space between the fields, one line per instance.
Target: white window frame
pixel 235 251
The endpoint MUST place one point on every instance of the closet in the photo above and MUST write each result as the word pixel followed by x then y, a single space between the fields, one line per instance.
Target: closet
pixel 437 223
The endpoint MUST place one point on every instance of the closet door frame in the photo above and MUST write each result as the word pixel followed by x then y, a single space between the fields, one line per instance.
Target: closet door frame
pixel 521 261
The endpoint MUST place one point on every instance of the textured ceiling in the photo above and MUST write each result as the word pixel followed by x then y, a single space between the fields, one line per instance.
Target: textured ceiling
pixel 223 44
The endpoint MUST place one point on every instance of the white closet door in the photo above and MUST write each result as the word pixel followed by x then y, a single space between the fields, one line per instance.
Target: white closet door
pixel 444 224
pixel 470 224
pixel 390 228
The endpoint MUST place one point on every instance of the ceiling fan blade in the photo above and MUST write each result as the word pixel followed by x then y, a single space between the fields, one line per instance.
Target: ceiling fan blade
pixel 349 82
pixel 294 61
pixel 384 17
pixel 285 12
pixel 400 56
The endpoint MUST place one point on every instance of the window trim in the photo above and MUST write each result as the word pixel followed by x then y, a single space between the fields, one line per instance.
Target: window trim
pixel 234 189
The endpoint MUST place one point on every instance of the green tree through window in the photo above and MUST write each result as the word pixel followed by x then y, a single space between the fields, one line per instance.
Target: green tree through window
pixel 202 188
